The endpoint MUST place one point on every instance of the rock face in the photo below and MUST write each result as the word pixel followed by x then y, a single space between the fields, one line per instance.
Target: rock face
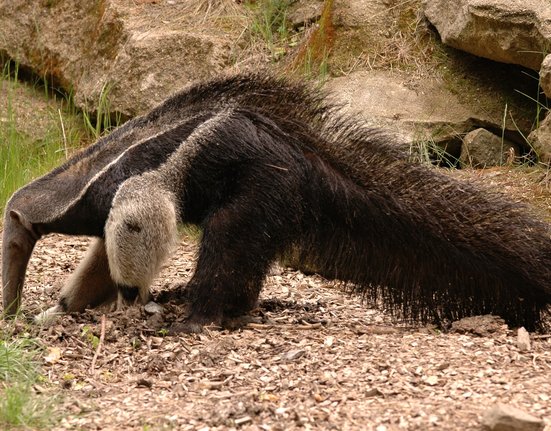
pixel 139 55
pixel 139 52
pixel 540 140
pixel 509 31
pixel 545 75
pixel 503 417
pixel 482 148
pixel 420 110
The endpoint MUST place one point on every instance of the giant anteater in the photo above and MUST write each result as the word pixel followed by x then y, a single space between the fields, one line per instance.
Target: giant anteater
pixel 265 166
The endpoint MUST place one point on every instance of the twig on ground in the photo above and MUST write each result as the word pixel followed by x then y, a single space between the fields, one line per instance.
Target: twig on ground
pixel 98 349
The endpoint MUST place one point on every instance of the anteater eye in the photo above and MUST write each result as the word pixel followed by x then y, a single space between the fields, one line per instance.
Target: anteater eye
pixel 133 227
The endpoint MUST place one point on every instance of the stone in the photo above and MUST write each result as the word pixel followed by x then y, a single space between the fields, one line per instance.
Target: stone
pixel 305 13
pixel 417 109
pixel 483 326
pixel 540 141
pixel 523 340
pixel 153 307
pixel 136 55
pixel 482 148
pixel 508 31
pixel 545 75
pixel 503 417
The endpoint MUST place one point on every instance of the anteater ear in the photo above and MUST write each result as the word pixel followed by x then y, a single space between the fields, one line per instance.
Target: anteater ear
pixel 21 219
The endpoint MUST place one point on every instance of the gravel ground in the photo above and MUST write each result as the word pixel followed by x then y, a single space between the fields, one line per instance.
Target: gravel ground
pixel 320 359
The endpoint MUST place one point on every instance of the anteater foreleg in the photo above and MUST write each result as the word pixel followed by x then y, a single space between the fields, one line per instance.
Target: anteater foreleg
pixel 91 283
pixel 240 241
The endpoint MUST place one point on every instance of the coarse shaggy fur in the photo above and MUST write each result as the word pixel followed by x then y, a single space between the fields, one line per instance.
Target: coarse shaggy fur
pixel 269 167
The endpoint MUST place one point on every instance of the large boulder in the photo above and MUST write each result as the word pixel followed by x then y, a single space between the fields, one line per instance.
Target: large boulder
pixel 138 52
pixel 509 31
pixel 421 110
pixel 540 141
pixel 545 75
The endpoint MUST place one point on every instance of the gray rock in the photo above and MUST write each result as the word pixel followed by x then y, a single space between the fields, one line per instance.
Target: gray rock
pixel 417 109
pixel 304 13
pixel 294 354
pixel 503 417
pixel 482 148
pixel 153 308
pixel 139 55
pixel 523 340
pixel 509 31
pixel 545 75
pixel 540 141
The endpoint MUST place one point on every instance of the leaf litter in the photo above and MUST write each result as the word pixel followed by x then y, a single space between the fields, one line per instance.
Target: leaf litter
pixel 318 358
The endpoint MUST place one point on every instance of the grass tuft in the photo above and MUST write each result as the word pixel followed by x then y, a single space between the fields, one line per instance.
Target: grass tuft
pixel 271 21
pixel 312 58
pixel 28 151
pixel 20 406
pixel 102 120
pixel 427 152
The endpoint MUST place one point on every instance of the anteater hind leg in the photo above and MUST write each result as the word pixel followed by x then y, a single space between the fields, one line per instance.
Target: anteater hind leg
pixel 91 283
pixel 88 286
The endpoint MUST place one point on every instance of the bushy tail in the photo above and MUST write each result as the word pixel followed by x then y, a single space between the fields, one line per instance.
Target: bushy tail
pixel 430 247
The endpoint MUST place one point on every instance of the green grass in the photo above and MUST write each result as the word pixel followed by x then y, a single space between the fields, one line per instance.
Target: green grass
pixel 26 154
pixel 270 24
pixel 38 131
pixel 103 120
pixel 20 406
pixel 427 152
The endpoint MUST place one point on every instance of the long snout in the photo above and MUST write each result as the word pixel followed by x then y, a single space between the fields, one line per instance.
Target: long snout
pixel 18 241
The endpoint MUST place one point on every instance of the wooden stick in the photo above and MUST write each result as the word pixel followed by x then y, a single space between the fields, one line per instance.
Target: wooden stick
pixel 98 349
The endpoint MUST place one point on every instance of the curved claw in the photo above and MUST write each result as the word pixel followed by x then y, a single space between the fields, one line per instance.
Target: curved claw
pixel 49 316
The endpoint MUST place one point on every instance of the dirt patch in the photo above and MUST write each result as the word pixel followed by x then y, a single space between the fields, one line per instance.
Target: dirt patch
pixel 319 359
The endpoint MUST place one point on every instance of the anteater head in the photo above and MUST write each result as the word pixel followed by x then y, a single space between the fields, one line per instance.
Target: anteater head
pixel 19 238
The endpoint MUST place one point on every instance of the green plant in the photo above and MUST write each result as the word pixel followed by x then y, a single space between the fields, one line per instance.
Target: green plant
pixel 540 104
pixel 541 108
pixel 24 153
pixel 17 359
pixel 312 58
pixel 191 232
pixel 101 119
pixel 426 151
pixel 88 335
pixel 315 66
pixel 20 406
pixel 270 23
